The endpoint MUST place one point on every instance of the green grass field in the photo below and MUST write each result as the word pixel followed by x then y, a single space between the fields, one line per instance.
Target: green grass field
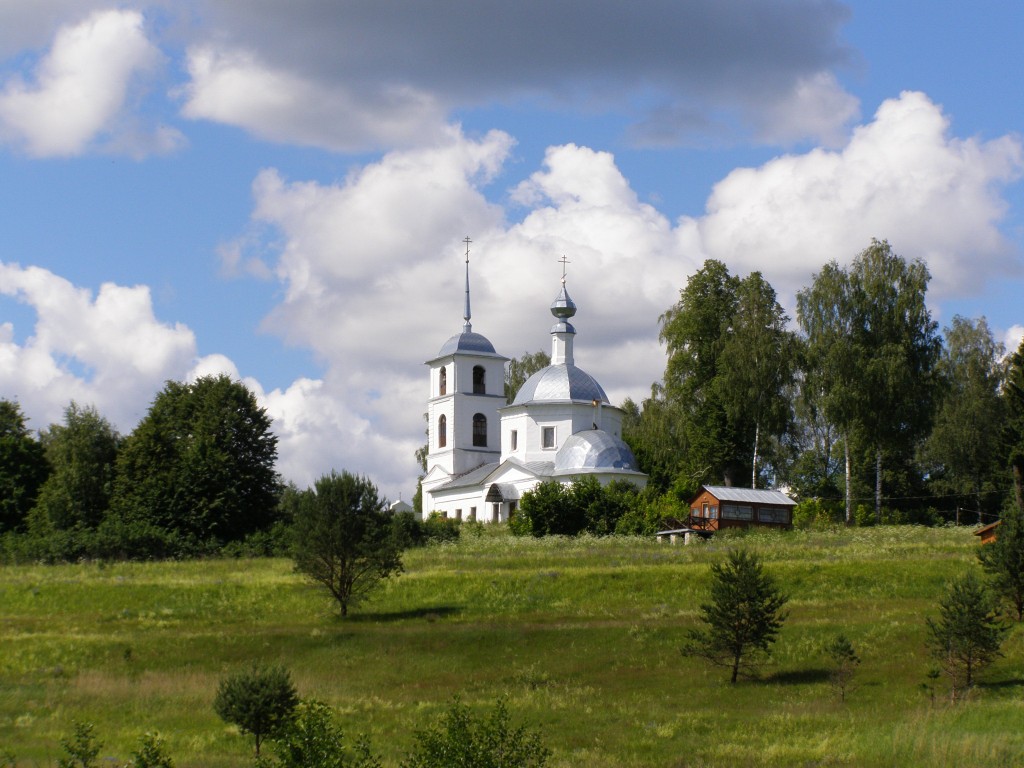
pixel 580 637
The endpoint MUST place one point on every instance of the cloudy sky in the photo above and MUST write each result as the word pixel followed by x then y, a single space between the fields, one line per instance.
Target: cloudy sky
pixel 279 191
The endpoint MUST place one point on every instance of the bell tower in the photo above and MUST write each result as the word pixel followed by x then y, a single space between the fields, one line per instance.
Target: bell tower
pixel 467 387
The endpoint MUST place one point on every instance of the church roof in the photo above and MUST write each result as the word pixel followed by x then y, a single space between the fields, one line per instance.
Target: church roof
pixel 561 382
pixel 594 450
pixel 468 342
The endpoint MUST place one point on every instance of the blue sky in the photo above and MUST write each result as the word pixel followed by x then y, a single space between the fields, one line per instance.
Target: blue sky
pixel 279 191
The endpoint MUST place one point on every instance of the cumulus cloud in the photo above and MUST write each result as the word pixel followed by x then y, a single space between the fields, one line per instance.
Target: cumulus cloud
pixel 236 88
pixel 106 349
pixel 78 91
pixel 389 74
pixel 901 177
pixel 1013 338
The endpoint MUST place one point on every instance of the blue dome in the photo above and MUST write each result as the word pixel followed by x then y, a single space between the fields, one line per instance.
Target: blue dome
pixel 561 382
pixel 594 450
pixel 467 341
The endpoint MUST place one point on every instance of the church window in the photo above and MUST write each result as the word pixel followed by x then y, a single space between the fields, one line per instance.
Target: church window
pixel 472 514
pixel 442 382
pixel 442 432
pixel 479 380
pixel 515 440
pixel 479 430
pixel 458 515
pixel 547 437
pixel 495 512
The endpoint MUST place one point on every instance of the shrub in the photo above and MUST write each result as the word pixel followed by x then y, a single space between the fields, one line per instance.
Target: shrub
pixel 462 739
pixel 259 700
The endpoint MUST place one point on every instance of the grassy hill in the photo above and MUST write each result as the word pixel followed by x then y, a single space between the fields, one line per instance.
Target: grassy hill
pixel 580 637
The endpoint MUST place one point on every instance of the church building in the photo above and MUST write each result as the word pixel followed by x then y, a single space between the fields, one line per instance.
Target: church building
pixel 485 453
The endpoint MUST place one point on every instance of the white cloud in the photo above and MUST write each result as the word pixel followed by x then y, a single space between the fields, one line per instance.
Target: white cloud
pixel 236 88
pixel 1013 338
pixel 105 349
pixel 901 177
pixel 816 108
pixel 78 92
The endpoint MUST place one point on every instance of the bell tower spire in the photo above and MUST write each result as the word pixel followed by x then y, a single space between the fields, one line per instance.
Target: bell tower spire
pixel 468 327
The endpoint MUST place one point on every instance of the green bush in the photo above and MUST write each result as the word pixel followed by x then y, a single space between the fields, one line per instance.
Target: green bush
pixel 259 700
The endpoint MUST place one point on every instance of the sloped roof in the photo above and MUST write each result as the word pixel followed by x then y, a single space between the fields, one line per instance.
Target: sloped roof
pixel 748 495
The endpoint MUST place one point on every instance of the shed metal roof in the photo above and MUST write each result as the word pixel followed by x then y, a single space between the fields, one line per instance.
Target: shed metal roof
pixel 749 495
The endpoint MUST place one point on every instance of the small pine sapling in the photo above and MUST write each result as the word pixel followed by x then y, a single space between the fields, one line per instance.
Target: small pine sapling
pixel 845 661
pixel 81 749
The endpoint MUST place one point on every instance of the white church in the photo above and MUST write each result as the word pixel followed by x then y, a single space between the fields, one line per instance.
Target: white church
pixel 484 453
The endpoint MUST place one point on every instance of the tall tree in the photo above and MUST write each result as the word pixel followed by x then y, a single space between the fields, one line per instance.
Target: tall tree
pixel 1013 431
pixel 201 464
pixel 757 367
pixel 82 452
pixel 960 450
pixel 343 538
pixel 694 331
pixel 23 467
pixel 873 350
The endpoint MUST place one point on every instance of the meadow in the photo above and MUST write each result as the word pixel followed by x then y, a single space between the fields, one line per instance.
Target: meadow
pixel 579 636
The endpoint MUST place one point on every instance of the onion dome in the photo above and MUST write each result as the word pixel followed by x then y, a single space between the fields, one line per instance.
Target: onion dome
pixel 561 383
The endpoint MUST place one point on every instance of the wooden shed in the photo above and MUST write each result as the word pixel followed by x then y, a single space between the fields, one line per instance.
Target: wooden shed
pixel 716 507
pixel 988 533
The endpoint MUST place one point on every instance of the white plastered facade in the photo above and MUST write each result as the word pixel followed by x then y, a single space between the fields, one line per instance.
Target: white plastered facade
pixel 560 426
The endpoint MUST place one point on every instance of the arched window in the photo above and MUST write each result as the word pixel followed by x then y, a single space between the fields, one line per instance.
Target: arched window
pixel 442 382
pixel 442 432
pixel 479 430
pixel 479 382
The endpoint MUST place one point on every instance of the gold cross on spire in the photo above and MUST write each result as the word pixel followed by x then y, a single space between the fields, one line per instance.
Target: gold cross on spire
pixel 564 261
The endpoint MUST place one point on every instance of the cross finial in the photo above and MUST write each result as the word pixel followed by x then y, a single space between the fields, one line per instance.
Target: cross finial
pixel 564 261
pixel 467 241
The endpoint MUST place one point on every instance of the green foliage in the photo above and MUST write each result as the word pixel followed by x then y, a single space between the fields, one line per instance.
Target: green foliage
pixel 313 739
pixel 151 754
pixel 960 454
pixel 260 700
pixel 81 749
pixel 411 530
pixel 1012 435
pixel 872 350
pixel 82 453
pixel 23 467
pixel 344 539
pixel 968 634
pixel 200 465
pixel 845 661
pixel 743 618
pixel 553 508
pixel 468 741
pixel 1003 561
pixel 817 513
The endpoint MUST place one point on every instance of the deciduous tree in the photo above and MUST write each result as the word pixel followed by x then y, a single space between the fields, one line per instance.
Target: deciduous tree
pixel 82 453
pixel 23 467
pixel 872 348
pixel 743 617
pixel 344 539
pixel 260 700
pixel 519 369
pixel 960 452
pixel 201 465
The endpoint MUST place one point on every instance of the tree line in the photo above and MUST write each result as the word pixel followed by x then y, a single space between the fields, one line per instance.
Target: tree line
pixel 864 406
pixel 195 476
